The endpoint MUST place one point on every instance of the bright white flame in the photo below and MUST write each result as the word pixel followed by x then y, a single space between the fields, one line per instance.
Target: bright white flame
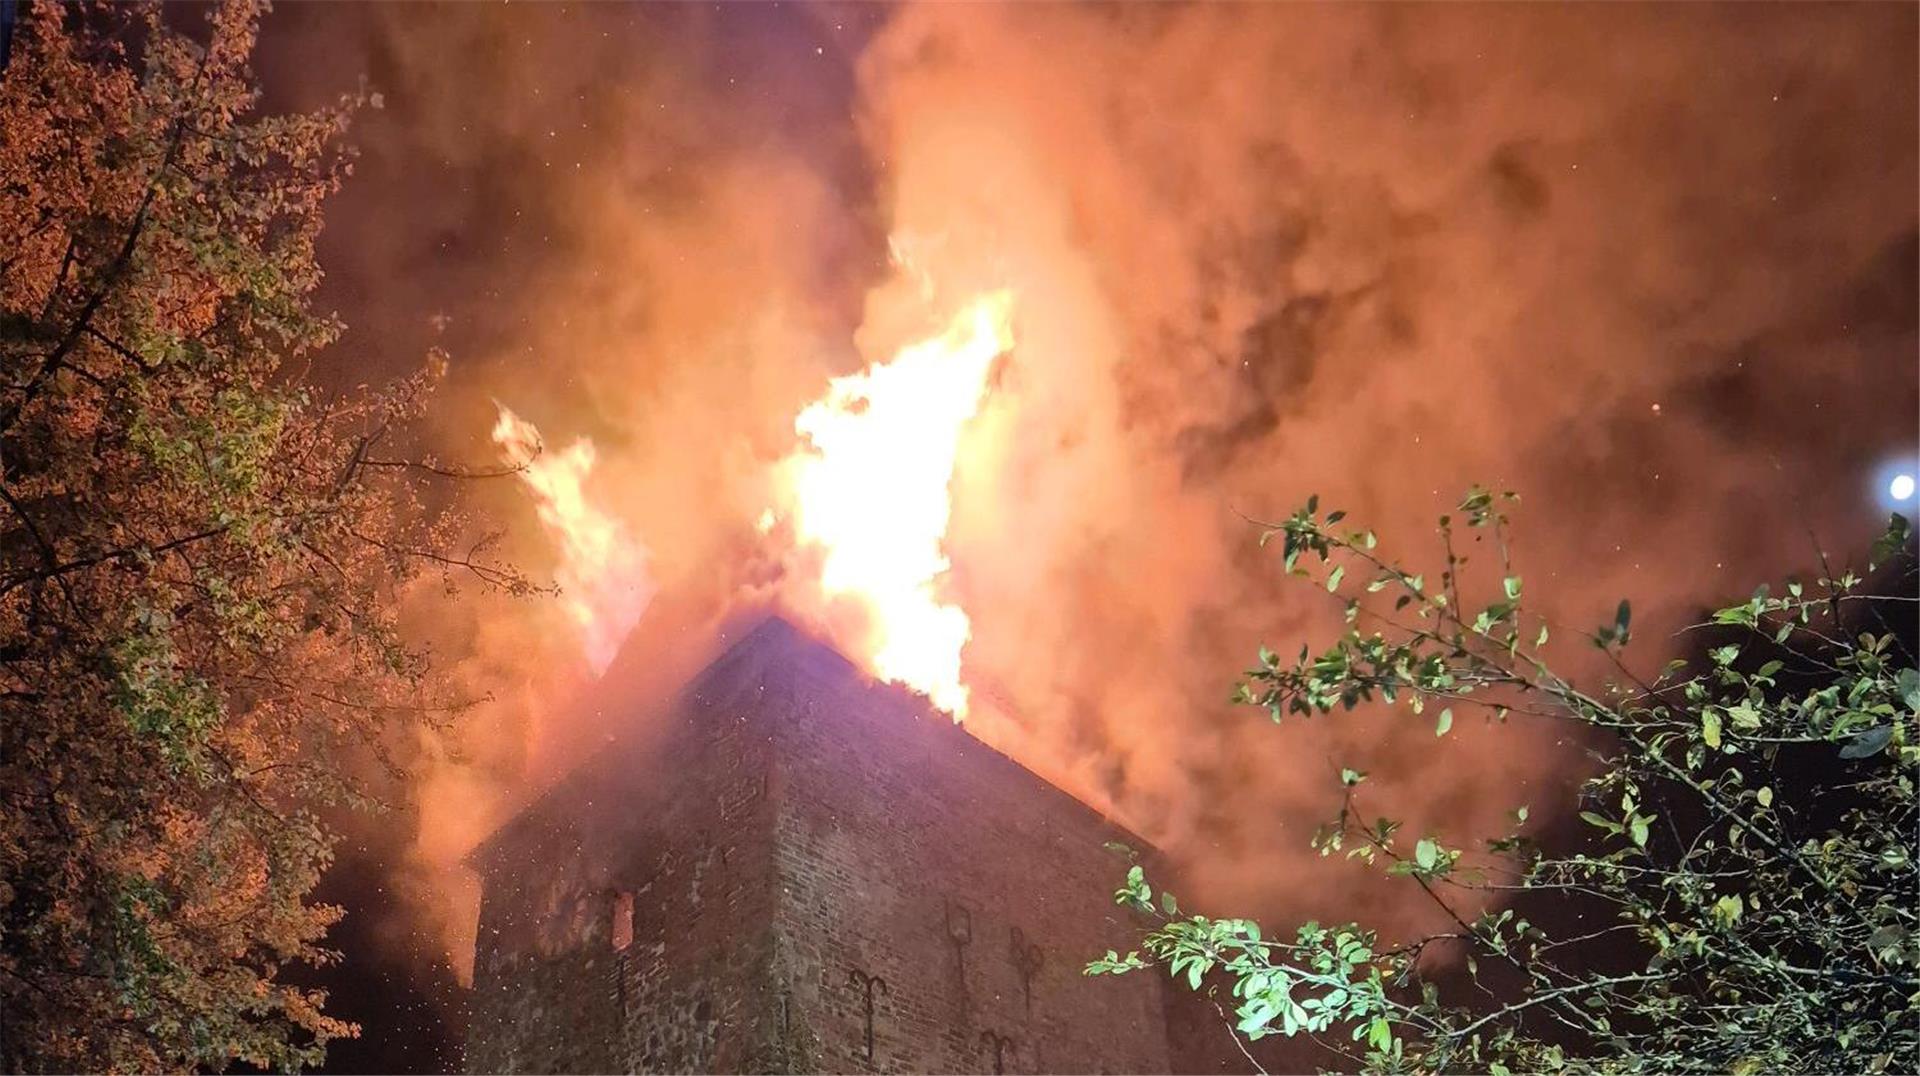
pixel 869 490
pixel 1901 488
pixel 603 577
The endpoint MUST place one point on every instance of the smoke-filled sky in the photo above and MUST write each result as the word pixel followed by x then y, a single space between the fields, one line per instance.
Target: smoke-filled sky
pixel 1653 267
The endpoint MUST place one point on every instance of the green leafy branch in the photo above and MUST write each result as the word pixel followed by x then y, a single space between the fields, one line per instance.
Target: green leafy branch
pixel 1749 832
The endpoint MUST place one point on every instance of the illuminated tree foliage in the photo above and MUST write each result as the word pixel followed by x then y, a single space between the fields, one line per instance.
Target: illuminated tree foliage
pixel 1746 844
pixel 199 554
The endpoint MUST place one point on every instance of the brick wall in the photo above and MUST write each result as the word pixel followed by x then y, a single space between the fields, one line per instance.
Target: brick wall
pixel 679 832
pixel 823 876
pixel 975 891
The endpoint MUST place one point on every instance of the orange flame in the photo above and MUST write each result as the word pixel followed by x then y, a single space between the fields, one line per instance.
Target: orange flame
pixel 603 576
pixel 869 490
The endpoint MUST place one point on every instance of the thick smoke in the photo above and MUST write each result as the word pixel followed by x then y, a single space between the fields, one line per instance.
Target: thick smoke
pixel 635 226
pixel 1653 268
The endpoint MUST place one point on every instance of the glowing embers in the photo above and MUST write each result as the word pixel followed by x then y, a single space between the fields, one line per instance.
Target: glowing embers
pixel 869 491
pixel 603 577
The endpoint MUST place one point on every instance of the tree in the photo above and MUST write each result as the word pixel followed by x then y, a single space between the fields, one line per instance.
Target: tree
pixel 1749 836
pixel 199 552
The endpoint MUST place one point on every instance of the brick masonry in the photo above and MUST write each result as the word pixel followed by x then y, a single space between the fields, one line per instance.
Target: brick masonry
pixel 806 872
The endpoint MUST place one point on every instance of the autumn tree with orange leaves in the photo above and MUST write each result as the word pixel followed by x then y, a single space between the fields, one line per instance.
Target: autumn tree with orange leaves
pixel 199 553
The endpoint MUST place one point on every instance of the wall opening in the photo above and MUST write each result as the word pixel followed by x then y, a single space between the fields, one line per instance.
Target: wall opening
pixel 622 932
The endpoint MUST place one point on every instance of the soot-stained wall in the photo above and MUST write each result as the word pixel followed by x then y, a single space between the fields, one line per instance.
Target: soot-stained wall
pixel 626 918
pixel 806 872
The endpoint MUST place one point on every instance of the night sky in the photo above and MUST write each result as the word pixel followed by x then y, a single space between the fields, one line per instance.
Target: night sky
pixel 1654 267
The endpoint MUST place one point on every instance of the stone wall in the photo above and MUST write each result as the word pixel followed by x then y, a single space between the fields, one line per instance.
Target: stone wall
pixel 822 876
pixel 967 889
pixel 666 849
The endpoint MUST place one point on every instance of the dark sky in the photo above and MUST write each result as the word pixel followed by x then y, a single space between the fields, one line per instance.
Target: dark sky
pixel 1656 267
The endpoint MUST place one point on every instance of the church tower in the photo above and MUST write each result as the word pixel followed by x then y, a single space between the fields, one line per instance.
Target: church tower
pixel 805 871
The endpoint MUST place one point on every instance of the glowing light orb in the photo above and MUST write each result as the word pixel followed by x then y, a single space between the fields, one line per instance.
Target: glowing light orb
pixel 1901 488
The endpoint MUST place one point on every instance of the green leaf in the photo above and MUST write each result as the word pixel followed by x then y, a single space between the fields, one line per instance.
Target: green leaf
pixel 1765 796
pixel 1542 639
pixel 1426 854
pixel 1637 830
pixel 1868 743
pixel 1333 579
pixel 1710 728
pixel 1294 1017
pixel 1446 722
pixel 1887 937
pixel 1726 910
pixel 1908 684
pixel 1894 540
pixel 1255 1015
pixel 1168 904
pixel 1349 778
pixel 1736 614
pixel 1622 618
pixel 1380 1033
pixel 1512 586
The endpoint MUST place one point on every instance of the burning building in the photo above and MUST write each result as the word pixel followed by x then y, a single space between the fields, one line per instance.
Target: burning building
pixel 805 870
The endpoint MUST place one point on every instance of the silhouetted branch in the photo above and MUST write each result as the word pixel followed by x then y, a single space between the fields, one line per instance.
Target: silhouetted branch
pixel 432 468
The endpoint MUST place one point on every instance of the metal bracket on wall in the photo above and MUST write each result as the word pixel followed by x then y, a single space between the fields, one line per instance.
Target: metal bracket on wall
pixel 960 935
pixel 999 1044
pixel 867 983
pixel 1027 959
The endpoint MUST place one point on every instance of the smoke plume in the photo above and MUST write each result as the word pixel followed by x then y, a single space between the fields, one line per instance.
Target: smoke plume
pixel 1652 267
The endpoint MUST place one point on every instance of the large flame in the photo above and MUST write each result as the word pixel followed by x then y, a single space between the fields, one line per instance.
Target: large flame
pixel 869 491
pixel 603 576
